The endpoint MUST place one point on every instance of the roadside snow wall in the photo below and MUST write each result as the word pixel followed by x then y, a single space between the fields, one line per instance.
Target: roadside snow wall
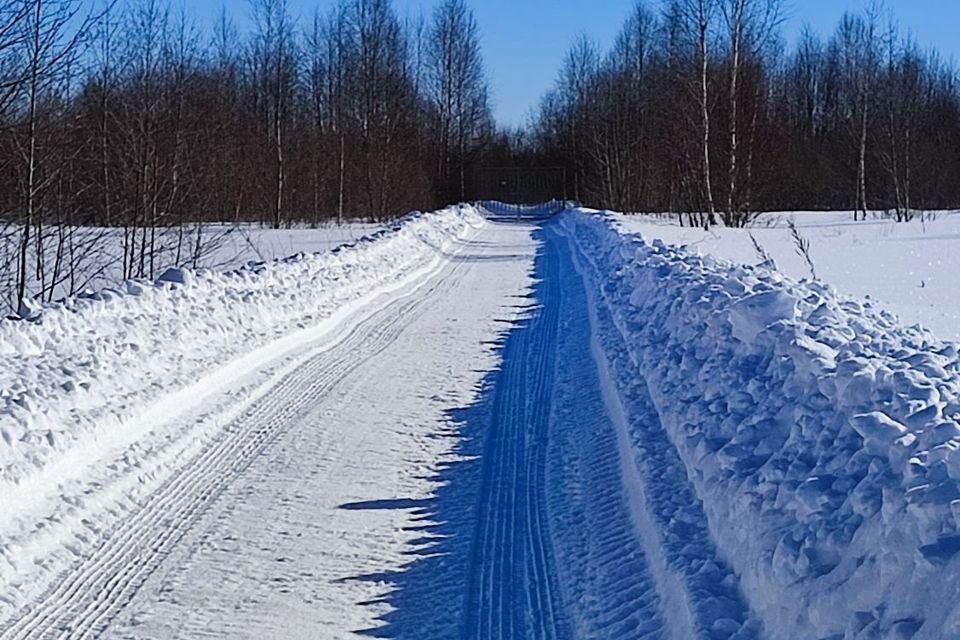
pixel 77 375
pixel 821 435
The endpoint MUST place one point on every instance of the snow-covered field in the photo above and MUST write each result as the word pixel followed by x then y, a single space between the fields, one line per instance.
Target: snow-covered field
pixel 912 269
pixel 98 257
pixel 244 243
pixel 509 426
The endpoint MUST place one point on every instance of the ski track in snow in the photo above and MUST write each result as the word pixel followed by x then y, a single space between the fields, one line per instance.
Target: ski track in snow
pixel 512 586
pixel 601 560
pixel 479 451
pixel 84 604
pixel 342 492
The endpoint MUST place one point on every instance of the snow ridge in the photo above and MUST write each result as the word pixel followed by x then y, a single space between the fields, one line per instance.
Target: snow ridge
pixel 73 377
pixel 819 433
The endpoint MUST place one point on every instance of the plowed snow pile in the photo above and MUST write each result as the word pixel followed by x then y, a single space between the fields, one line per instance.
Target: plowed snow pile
pixel 72 379
pixel 820 434
pixel 908 268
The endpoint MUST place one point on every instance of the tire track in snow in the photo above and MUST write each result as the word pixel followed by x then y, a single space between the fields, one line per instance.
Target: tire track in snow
pixel 602 564
pixel 700 595
pixel 86 600
pixel 512 585
pixel 555 553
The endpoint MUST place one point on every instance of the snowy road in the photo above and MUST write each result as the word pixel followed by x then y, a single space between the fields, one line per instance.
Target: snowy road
pixel 513 589
pixel 451 461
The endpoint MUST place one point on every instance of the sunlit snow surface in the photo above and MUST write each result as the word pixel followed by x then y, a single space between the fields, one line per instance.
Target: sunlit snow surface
pixel 514 428
pixel 821 435
pixel 912 269
pixel 85 386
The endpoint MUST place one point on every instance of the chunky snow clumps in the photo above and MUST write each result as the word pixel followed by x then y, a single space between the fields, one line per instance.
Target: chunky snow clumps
pixel 73 377
pixel 821 435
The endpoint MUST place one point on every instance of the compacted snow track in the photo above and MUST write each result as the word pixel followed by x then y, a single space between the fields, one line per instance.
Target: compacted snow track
pixel 556 552
pixel 513 589
pixel 83 605
pixel 453 461
pixel 600 555
pixel 87 601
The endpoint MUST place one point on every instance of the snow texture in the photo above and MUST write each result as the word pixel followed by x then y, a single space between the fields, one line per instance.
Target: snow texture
pixel 908 268
pixel 73 376
pixel 819 433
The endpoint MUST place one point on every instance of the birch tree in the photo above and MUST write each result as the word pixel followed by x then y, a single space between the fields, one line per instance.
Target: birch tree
pixel 50 38
pixel 458 89
pixel 749 25
pixel 274 73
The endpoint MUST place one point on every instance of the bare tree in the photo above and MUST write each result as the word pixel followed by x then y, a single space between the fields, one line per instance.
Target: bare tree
pixel 702 12
pixel 458 88
pixel 750 24
pixel 275 74
pixel 574 88
pixel 855 50
pixel 50 38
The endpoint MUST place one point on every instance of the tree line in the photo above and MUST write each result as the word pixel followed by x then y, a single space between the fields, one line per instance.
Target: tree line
pixel 701 108
pixel 131 138
pixel 127 120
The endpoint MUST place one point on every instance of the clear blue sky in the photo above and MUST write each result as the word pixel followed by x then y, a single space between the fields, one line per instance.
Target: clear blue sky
pixel 524 40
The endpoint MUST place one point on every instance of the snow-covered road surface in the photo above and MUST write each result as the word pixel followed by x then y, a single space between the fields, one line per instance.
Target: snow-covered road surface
pixel 512 571
pixel 251 536
pixel 440 464
pixel 389 478
pixel 516 429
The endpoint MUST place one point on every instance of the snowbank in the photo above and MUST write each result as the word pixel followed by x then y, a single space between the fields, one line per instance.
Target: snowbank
pixel 81 373
pixel 909 268
pixel 821 435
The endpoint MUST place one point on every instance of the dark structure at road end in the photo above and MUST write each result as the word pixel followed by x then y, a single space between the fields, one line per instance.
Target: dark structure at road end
pixel 520 185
